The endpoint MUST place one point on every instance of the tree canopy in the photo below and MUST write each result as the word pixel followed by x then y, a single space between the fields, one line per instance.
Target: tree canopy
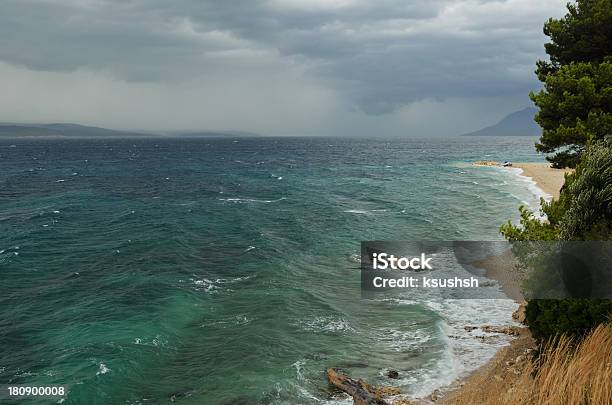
pixel 575 113
pixel 582 35
pixel 576 101
pixel 574 110
pixel 589 212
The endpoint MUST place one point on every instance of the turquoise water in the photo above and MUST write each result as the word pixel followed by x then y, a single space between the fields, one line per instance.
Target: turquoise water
pixel 225 271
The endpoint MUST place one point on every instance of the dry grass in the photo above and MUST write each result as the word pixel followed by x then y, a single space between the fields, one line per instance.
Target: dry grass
pixel 573 374
pixel 567 373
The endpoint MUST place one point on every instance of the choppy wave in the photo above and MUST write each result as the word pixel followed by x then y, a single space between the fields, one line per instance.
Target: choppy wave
pixel 364 212
pixel 250 200
pixel 102 369
pixel 326 324
pixel 245 262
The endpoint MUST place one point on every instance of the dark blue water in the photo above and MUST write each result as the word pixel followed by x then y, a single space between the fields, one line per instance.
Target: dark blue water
pixel 200 271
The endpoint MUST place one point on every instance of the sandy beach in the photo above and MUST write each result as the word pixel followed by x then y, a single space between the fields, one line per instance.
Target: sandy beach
pixel 548 179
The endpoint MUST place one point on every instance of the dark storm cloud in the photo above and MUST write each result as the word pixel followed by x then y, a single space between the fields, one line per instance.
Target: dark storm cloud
pixel 377 55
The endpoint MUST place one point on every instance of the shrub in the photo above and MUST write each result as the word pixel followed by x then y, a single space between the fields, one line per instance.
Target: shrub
pixel 583 212
pixel 573 317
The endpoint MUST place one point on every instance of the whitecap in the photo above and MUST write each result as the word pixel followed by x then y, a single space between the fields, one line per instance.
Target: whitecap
pixel 103 369
pixel 254 200
pixel 356 212
pixel 231 280
pixel 228 322
pixel 355 257
pixel 364 212
pixel 205 285
pixel 217 285
pixel 298 368
pixel 326 324
pixel 402 340
pixel 159 341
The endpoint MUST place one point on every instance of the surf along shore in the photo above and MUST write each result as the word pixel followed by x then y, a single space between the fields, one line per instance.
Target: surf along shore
pixel 546 178
pixel 501 376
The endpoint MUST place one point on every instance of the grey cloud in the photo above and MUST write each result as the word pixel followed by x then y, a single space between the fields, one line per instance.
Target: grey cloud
pixel 378 55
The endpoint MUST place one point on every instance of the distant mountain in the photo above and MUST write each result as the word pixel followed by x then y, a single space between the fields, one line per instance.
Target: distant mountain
pixel 519 123
pixel 75 130
pixel 67 130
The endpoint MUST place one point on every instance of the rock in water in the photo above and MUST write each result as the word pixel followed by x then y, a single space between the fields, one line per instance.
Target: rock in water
pixel 362 392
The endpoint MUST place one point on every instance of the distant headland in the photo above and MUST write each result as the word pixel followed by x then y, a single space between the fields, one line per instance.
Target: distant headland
pixel 69 130
pixel 519 123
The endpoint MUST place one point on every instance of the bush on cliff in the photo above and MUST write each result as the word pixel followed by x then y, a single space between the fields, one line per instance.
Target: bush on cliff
pixel 575 113
pixel 583 212
pixel 571 317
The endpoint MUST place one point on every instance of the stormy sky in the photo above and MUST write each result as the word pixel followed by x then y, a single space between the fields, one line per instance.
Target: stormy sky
pixel 279 67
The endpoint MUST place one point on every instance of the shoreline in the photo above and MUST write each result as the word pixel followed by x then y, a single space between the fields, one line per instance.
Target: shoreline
pixel 545 178
pixel 501 373
pixel 548 183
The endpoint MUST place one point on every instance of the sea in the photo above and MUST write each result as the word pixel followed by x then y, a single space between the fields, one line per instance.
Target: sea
pixel 226 270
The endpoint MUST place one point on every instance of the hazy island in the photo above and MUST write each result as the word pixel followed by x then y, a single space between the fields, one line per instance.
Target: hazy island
pixel 69 130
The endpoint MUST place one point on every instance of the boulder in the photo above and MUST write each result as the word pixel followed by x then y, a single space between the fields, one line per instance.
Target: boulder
pixel 519 314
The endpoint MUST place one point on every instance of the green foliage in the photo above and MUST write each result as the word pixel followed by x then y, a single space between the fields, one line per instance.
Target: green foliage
pixel 584 208
pixel 589 213
pixel 573 317
pixel 582 35
pixel 583 212
pixel 575 113
pixel 532 227
pixel 576 102
pixel 575 110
